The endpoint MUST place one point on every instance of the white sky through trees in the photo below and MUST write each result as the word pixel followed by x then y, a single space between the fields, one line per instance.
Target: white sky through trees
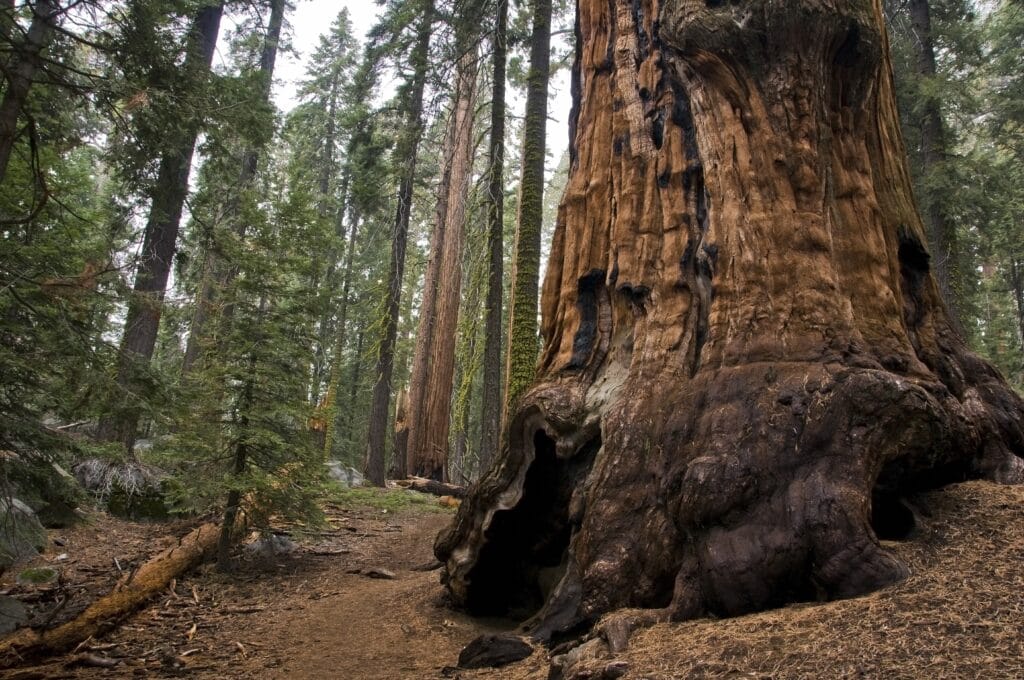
pixel 310 18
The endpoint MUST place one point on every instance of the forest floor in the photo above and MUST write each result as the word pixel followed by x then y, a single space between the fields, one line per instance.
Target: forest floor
pixel 323 609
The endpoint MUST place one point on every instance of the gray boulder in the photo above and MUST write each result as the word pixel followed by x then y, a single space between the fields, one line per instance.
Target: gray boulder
pixel 344 474
pixel 13 614
pixel 22 536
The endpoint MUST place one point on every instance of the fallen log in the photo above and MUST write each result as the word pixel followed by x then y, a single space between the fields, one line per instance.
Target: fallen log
pixel 132 591
pixel 432 487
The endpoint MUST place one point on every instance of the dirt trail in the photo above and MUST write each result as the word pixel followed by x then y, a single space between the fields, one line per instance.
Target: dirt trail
pixel 317 613
pixel 375 628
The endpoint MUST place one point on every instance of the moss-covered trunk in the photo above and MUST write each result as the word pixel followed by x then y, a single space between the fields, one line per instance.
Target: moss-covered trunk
pixel 406 152
pixel 745 349
pixel 490 408
pixel 522 325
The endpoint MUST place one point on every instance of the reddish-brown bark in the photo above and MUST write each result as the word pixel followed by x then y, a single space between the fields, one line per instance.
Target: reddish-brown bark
pixel 745 350
pixel 433 368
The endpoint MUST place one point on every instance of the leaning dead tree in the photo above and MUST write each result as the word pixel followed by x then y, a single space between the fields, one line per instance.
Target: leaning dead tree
pixel 745 350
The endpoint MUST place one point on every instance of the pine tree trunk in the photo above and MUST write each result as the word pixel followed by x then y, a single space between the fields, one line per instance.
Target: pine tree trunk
pixel 334 378
pixel 345 430
pixel 745 348
pixel 161 235
pixel 942 236
pixel 459 449
pixel 468 365
pixel 216 277
pixel 401 436
pixel 240 455
pixel 430 387
pixel 8 18
pixel 490 411
pixel 19 76
pixel 1016 280
pixel 406 151
pixel 326 288
pixel 522 333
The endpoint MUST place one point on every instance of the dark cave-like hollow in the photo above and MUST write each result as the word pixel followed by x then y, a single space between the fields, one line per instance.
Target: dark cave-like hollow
pixel 891 518
pixel 526 547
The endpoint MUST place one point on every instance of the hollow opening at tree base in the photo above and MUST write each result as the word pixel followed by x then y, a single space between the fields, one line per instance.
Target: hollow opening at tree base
pixel 525 549
pixel 891 518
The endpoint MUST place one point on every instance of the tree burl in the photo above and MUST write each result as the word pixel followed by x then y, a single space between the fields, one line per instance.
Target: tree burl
pixel 746 355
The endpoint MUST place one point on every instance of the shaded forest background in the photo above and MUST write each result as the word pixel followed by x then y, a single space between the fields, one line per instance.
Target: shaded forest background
pixel 211 302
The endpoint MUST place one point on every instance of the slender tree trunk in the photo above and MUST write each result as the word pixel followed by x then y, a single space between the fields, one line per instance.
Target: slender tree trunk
pixel 161 235
pixel 216 277
pixel 461 447
pixel 8 17
pixel 241 458
pixel 406 152
pixel 206 300
pixel 334 379
pixel 434 361
pixel 942 234
pixel 326 289
pixel 522 337
pixel 346 428
pixel 464 400
pixel 747 360
pixel 1017 289
pixel 20 73
pixel 491 407
pixel 468 364
pixel 401 435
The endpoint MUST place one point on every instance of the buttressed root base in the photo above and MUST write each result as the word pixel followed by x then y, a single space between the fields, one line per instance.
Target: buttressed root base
pixel 746 356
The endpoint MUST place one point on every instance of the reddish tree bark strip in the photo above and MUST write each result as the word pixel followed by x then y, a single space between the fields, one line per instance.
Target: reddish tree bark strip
pixel 430 387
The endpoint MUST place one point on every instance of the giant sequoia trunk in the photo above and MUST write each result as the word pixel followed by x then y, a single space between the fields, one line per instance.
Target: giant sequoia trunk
pixel 745 352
